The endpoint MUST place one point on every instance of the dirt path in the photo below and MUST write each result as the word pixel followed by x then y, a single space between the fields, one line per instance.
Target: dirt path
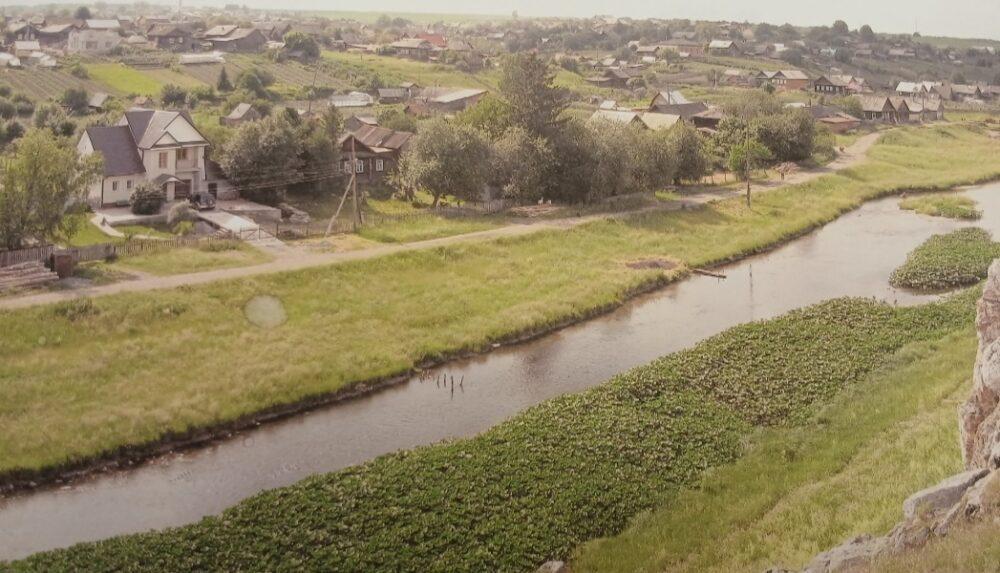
pixel 299 259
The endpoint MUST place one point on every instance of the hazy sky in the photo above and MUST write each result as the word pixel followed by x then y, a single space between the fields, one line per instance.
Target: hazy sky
pixel 961 18
pixel 964 18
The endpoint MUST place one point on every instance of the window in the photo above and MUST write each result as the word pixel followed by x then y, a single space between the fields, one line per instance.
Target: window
pixel 128 184
pixel 360 167
pixel 346 167
pixel 379 165
pixel 114 185
pixel 163 160
pixel 182 154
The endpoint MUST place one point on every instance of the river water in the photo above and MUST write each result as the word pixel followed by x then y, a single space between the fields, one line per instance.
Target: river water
pixel 853 256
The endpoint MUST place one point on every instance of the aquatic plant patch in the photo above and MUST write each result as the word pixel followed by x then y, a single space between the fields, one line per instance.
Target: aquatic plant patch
pixel 570 469
pixel 955 259
pixel 949 205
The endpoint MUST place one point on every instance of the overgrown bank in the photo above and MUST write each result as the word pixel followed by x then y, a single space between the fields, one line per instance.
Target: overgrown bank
pixel 105 375
pixel 959 258
pixel 567 470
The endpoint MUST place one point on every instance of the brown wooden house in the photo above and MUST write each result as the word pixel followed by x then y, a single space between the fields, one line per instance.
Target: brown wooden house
pixel 376 150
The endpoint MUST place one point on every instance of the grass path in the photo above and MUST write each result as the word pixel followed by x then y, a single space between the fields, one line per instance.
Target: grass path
pixel 299 260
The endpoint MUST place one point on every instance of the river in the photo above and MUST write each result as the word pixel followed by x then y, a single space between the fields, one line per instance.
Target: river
pixel 852 256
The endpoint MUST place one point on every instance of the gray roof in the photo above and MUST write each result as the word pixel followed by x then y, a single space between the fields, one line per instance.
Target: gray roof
pixel 115 144
pixel 148 126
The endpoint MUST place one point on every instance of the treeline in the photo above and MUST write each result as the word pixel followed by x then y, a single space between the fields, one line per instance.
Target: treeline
pixel 521 144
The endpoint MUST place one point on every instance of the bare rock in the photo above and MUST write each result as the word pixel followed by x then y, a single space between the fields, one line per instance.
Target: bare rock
pixel 979 420
pixel 853 555
pixel 553 567
pixel 938 499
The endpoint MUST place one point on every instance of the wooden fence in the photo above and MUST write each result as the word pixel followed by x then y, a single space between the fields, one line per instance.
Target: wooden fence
pixel 106 251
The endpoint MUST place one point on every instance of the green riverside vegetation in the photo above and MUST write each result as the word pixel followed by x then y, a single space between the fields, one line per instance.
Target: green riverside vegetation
pixel 958 258
pixel 948 205
pixel 803 489
pixel 107 378
pixel 567 470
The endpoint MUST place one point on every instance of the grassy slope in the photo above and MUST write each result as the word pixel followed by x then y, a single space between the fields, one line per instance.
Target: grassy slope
pixel 970 549
pixel 958 258
pixel 117 365
pixel 805 489
pixel 564 471
pixel 947 205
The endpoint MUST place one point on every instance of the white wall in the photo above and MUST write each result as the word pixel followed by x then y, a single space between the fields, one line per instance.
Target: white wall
pixel 102 41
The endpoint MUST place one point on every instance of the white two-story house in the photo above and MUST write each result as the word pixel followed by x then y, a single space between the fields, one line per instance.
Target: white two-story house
pixel 161 147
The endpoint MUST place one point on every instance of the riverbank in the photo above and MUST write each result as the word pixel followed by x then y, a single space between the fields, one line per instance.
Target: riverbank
pixel 117 357
pixel 570 469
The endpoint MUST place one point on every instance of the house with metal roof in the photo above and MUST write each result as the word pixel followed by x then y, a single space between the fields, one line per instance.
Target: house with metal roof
pixel 160 147
pixel 376 152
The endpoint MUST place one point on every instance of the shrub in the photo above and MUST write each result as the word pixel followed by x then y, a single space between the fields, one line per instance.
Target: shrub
pixel 183 228
pixel 147 200
pixel 181 212
pixel 173 95
pixel 7 109
pixel 77 70
pixel 76 100
pixel 24 107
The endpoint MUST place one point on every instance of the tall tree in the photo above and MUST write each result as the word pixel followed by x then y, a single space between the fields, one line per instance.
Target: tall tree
pixel 262 158
pixel 445 159
pixel 867 34
pixel 691 162
pixel 82 13
pixel 223 84
pixel 40 177
pixel 527 85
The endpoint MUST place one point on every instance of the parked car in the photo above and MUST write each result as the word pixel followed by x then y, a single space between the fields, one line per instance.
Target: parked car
pixel 202 201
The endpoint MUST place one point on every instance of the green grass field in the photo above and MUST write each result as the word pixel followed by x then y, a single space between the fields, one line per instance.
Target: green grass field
pixel 395 70
pixel 378 322
pixel 126 80
pixel 192 260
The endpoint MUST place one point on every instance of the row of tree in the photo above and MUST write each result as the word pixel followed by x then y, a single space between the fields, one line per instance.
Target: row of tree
pixel 523 144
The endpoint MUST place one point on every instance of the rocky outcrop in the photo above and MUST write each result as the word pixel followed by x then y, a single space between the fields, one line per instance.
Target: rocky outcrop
pixel 967 496
pixel 980 416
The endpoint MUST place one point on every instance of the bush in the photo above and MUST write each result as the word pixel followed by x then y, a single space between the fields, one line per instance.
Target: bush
pixel 180 213
pixel 77 70
pixel 173 95
pixel 7 109
pixel 76 100
pixel 147 200
pixel 183 228
pixel 24 107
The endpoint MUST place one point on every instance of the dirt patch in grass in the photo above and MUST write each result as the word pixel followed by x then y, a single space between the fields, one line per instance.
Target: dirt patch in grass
pixel 662 264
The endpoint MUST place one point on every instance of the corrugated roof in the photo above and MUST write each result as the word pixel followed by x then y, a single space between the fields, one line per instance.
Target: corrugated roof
pixel 116 146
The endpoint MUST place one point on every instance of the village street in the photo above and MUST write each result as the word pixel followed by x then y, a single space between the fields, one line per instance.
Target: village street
pixel 293 259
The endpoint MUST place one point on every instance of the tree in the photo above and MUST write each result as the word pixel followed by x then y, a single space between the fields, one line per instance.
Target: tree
pixel 76 101
pixel 395 119
pixel 747 156
pixel 82 13
pixel 840 28
pixel 527 86
pixel 867 34
pixel 223 84
pixel 173 95
pixel 262 158
pixel 445 159
pixel 958 78
pixel 522 165
pixel 686 147
pixel 303 43
pixel 491 115
pixel 332 122
pixel 792 56
pixel 40 177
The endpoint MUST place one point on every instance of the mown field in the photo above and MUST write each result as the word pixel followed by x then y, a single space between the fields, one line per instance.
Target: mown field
pixel 127 80
pixel 567 470
pixel 109 378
